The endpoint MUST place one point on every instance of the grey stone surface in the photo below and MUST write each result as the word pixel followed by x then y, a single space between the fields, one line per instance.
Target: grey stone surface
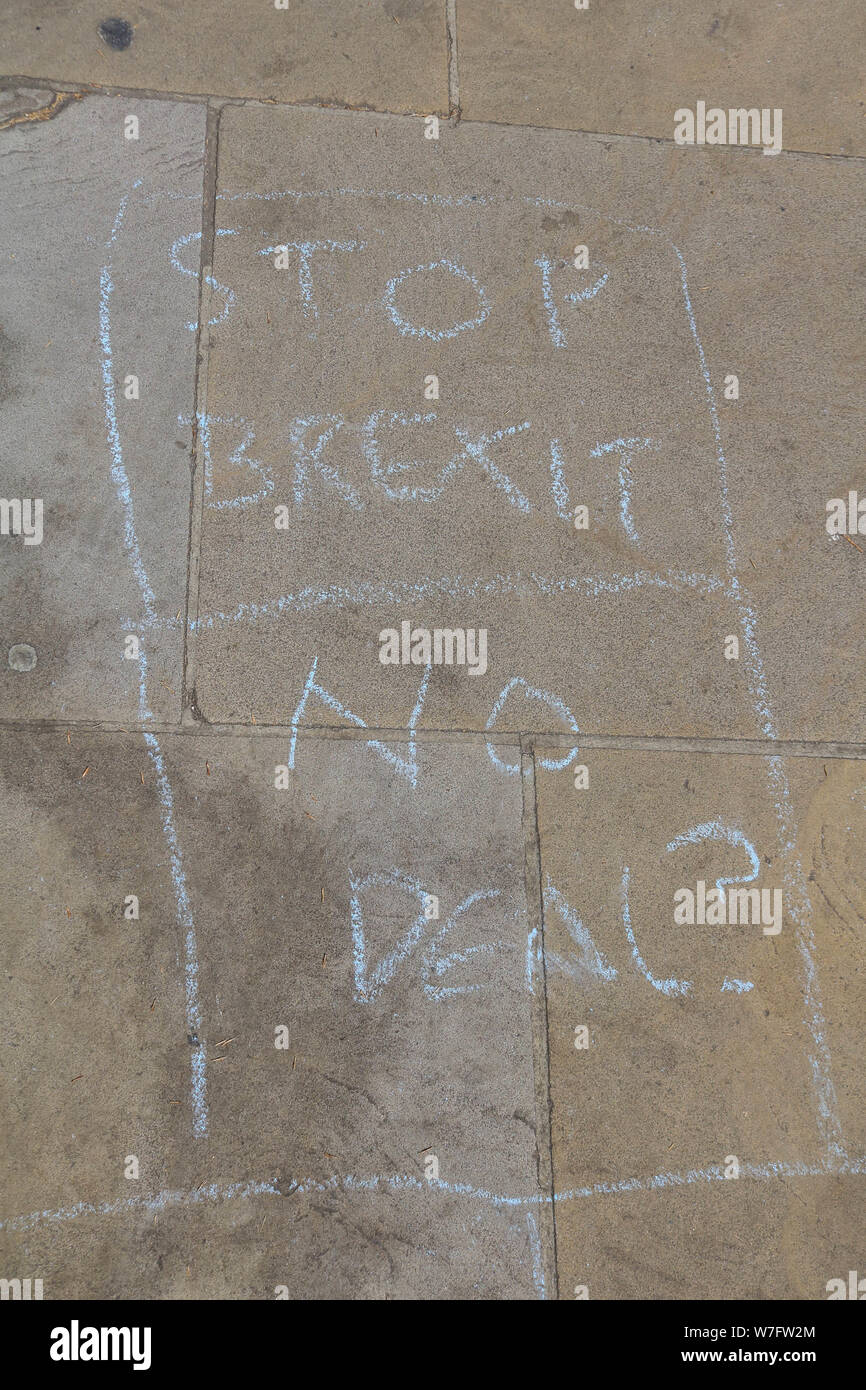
pixel 405 1036
pixel 357 52
pixel 625 69
pixel 89 297
pixel 705 1041
pixel 279 803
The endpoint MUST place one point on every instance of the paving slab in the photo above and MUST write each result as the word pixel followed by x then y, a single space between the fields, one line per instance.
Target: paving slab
pixel 707 1127
pixel 389 1146
pixel 780 1239
pixel 790 438
pixel 341 498
pixel 94 312
pixel 367 980
pixel 625 69
pixel 382 53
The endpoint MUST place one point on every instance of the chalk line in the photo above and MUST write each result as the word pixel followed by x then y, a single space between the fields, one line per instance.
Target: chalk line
pixel 553 702
pixel 124 495
pixel 401 1183
pixel 454 586
pixel 672 986
pixel 158 1202
pixel 795 881
pixel 717 830
pixel 537 1257
pixel 406 767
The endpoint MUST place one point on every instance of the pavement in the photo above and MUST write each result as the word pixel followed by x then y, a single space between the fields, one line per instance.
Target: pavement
pixel 327 331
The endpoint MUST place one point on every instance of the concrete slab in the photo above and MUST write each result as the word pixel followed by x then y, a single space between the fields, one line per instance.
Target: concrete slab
pixel 407 1038
pixel 340 500
pixel 319 959
pixel 391 54
pixel 97 1062
pixel 91 300
pixel 792 338
pixel 626 69
pixel 780 1239
pixel 704 1044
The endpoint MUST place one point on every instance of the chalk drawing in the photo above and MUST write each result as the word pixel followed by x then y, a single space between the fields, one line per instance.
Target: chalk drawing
pixel 229 299
pixel 736 986
pixel 558 485
pixel 537 1257
pixel 624 449
pixel 730 587
pixel 434 335
pixel 124 495
pixel 557 333
pixel 398 1184
pixel 582 296
pixel 470 448
pixel 717 830
pixel 436 965
pixel 531 693
pixel 305 457
pixel 237 457
pixel 369 982
pixel 590 960
pixel 533 957
pixel 406 767
pixel 452 586
pixel 305 251
pixel 477 450
pixel 671 986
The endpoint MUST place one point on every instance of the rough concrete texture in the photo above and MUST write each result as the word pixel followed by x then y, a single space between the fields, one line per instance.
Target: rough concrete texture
pixel 403 260
pixel 407 1036
pixel 379 53
pixel 313 939
pixel 91 224
pixel 705 1042
pixel 618 67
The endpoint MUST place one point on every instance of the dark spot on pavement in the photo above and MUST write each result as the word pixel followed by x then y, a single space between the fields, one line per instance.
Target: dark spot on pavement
pixel 402 9
pixel 117 33
pixel 562 223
